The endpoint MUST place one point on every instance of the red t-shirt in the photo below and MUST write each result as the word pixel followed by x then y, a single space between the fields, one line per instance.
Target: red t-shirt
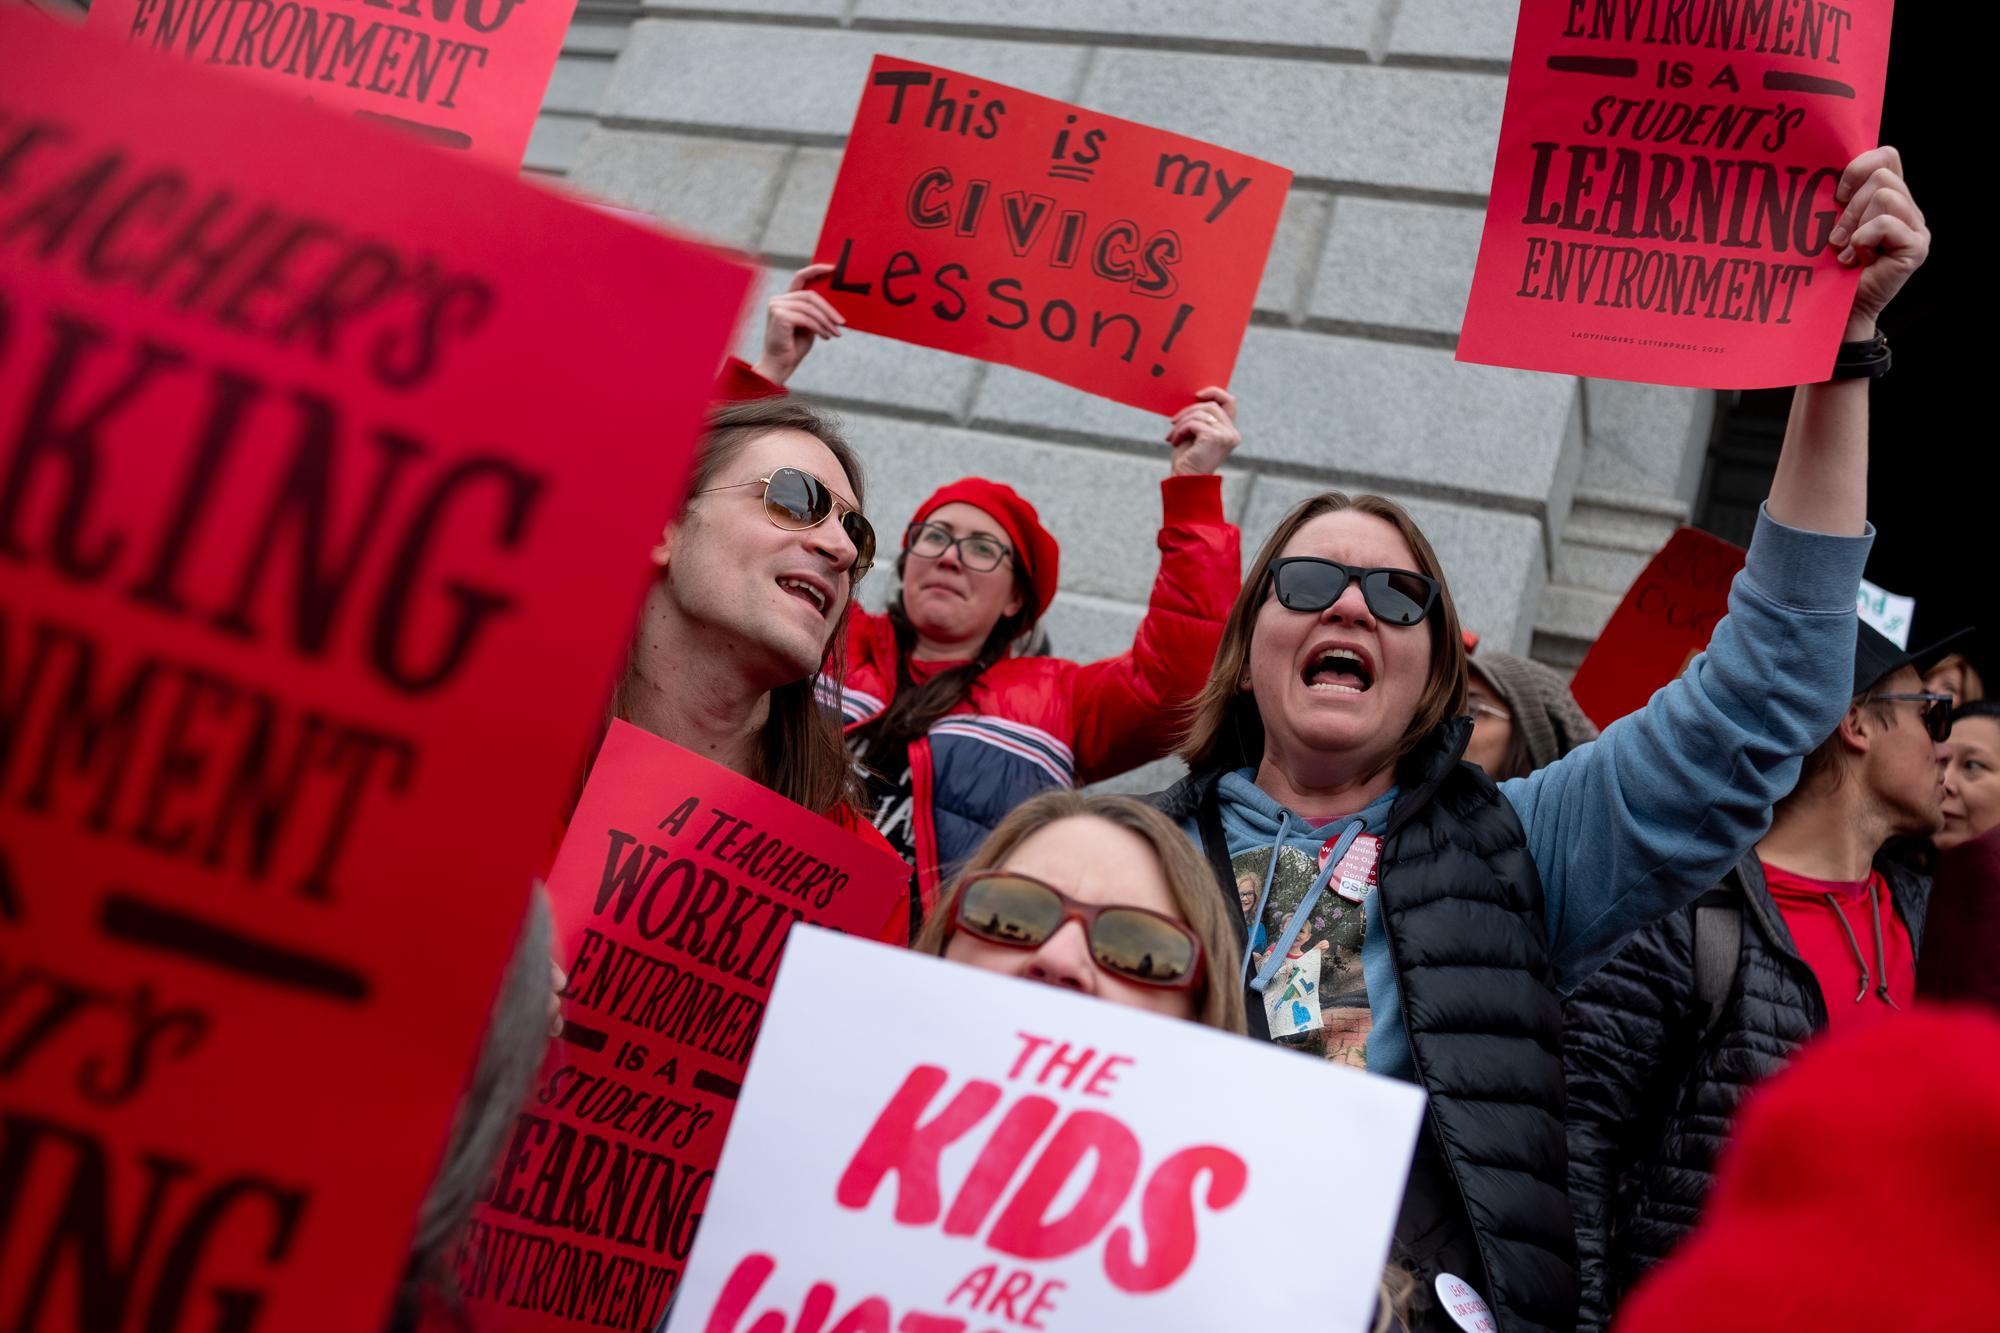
pixel 1816 932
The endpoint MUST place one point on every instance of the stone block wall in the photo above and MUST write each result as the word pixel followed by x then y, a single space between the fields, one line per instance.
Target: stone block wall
pixel 727 117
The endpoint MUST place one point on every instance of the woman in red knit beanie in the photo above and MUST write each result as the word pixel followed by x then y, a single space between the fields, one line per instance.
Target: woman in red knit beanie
pixel 953 724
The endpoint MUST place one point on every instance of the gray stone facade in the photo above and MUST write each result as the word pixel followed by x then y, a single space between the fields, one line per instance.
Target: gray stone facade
pixel 1543 494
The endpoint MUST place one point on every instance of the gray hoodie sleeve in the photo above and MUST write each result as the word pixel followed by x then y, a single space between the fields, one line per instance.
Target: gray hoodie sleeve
pixel 1630 826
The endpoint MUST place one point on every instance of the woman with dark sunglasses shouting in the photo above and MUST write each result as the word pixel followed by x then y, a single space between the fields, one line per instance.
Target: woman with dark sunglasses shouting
pixel 756 581
pixel 1326 750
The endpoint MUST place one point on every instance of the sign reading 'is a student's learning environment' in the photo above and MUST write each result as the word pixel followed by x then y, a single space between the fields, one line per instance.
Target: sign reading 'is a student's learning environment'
pixel 465 75
pixel 309 591
pixel 1109 255
pixel 992 1153
pixel 1664 190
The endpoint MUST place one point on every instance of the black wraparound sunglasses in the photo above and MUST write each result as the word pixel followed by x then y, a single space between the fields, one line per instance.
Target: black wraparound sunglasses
pixel 1394 596
pixel 797 501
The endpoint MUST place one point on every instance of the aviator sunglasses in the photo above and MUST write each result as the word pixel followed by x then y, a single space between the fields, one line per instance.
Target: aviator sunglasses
pixel 1394 596
pixel 798 501
pixel 1130 943
pixel 1936 712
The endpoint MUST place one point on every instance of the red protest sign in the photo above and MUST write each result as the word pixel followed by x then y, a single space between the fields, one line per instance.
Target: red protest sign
pixel 674 891
pixel 1664 189
pixel 1666 617
pixel 311 598
pixel 460 74
pixel 1106 254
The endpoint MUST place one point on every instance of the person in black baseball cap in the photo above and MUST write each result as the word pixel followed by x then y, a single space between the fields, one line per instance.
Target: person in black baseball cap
pixel 1876 658
pixel 1816 929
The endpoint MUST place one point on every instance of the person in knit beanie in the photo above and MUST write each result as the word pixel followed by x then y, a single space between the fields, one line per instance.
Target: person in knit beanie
pixel 954 712
pixel 1523 715
pixel 1861 1193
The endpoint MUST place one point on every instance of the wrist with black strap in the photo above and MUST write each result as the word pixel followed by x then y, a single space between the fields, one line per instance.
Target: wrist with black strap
pixel 1867 359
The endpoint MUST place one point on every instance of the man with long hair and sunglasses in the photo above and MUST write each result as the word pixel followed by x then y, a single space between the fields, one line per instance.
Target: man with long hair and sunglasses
pixel 1816 930
pixel 756 580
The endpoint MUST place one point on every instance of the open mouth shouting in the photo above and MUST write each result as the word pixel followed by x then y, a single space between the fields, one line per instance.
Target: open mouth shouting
pixel 1338 669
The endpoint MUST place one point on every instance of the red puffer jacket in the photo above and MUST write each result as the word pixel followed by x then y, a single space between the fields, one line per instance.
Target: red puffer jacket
pixel 1032 723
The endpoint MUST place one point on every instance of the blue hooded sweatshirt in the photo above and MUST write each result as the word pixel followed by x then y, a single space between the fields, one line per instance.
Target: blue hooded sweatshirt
pixel 1624 829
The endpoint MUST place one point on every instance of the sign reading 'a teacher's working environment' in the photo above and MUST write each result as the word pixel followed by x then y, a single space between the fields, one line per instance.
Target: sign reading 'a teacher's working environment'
pixel 309 594
pixel 1115 257
pixel 460 74
pixel 1664 189
pixel 674 892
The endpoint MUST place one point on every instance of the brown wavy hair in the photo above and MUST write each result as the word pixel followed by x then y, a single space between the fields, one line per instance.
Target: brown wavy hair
pixel 1190 882
pixel 800 754
pixel 1227 731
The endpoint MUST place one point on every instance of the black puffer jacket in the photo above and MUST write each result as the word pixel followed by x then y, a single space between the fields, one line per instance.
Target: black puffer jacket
pixel 1653 1088
pixel 1461 902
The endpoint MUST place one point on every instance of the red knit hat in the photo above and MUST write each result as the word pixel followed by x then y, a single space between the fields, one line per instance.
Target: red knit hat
pixel 1861 1192
pixel 1034 549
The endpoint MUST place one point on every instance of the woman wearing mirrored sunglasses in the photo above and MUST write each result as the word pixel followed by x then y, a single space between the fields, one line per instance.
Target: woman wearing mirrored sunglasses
pixel 1094 893
pixel 1333 714
pixel 755 583
pixel 1101 894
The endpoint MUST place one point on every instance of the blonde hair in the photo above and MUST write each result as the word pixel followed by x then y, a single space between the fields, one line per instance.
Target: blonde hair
pixel 1191 884
pixel 1971 687
pixel 1227 731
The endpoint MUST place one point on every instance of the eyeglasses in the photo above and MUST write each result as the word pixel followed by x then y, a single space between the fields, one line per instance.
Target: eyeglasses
pixel 1130 943
pixel 1485 708
pixel 1394 596
pixel 798 501
pixel 976 551
pixel 1936 713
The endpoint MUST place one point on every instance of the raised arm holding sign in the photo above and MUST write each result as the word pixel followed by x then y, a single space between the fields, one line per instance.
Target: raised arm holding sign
pixel 1668 197
pixel 287 542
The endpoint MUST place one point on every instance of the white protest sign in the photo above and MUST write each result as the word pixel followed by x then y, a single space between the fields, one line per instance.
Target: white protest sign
pixel 1885 612
pixel 923 1146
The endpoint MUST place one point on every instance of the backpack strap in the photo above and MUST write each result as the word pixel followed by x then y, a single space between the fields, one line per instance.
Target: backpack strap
pixel 1718 944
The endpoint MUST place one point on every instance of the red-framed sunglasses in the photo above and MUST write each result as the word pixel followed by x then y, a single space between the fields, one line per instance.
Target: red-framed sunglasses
pixel 1131 943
